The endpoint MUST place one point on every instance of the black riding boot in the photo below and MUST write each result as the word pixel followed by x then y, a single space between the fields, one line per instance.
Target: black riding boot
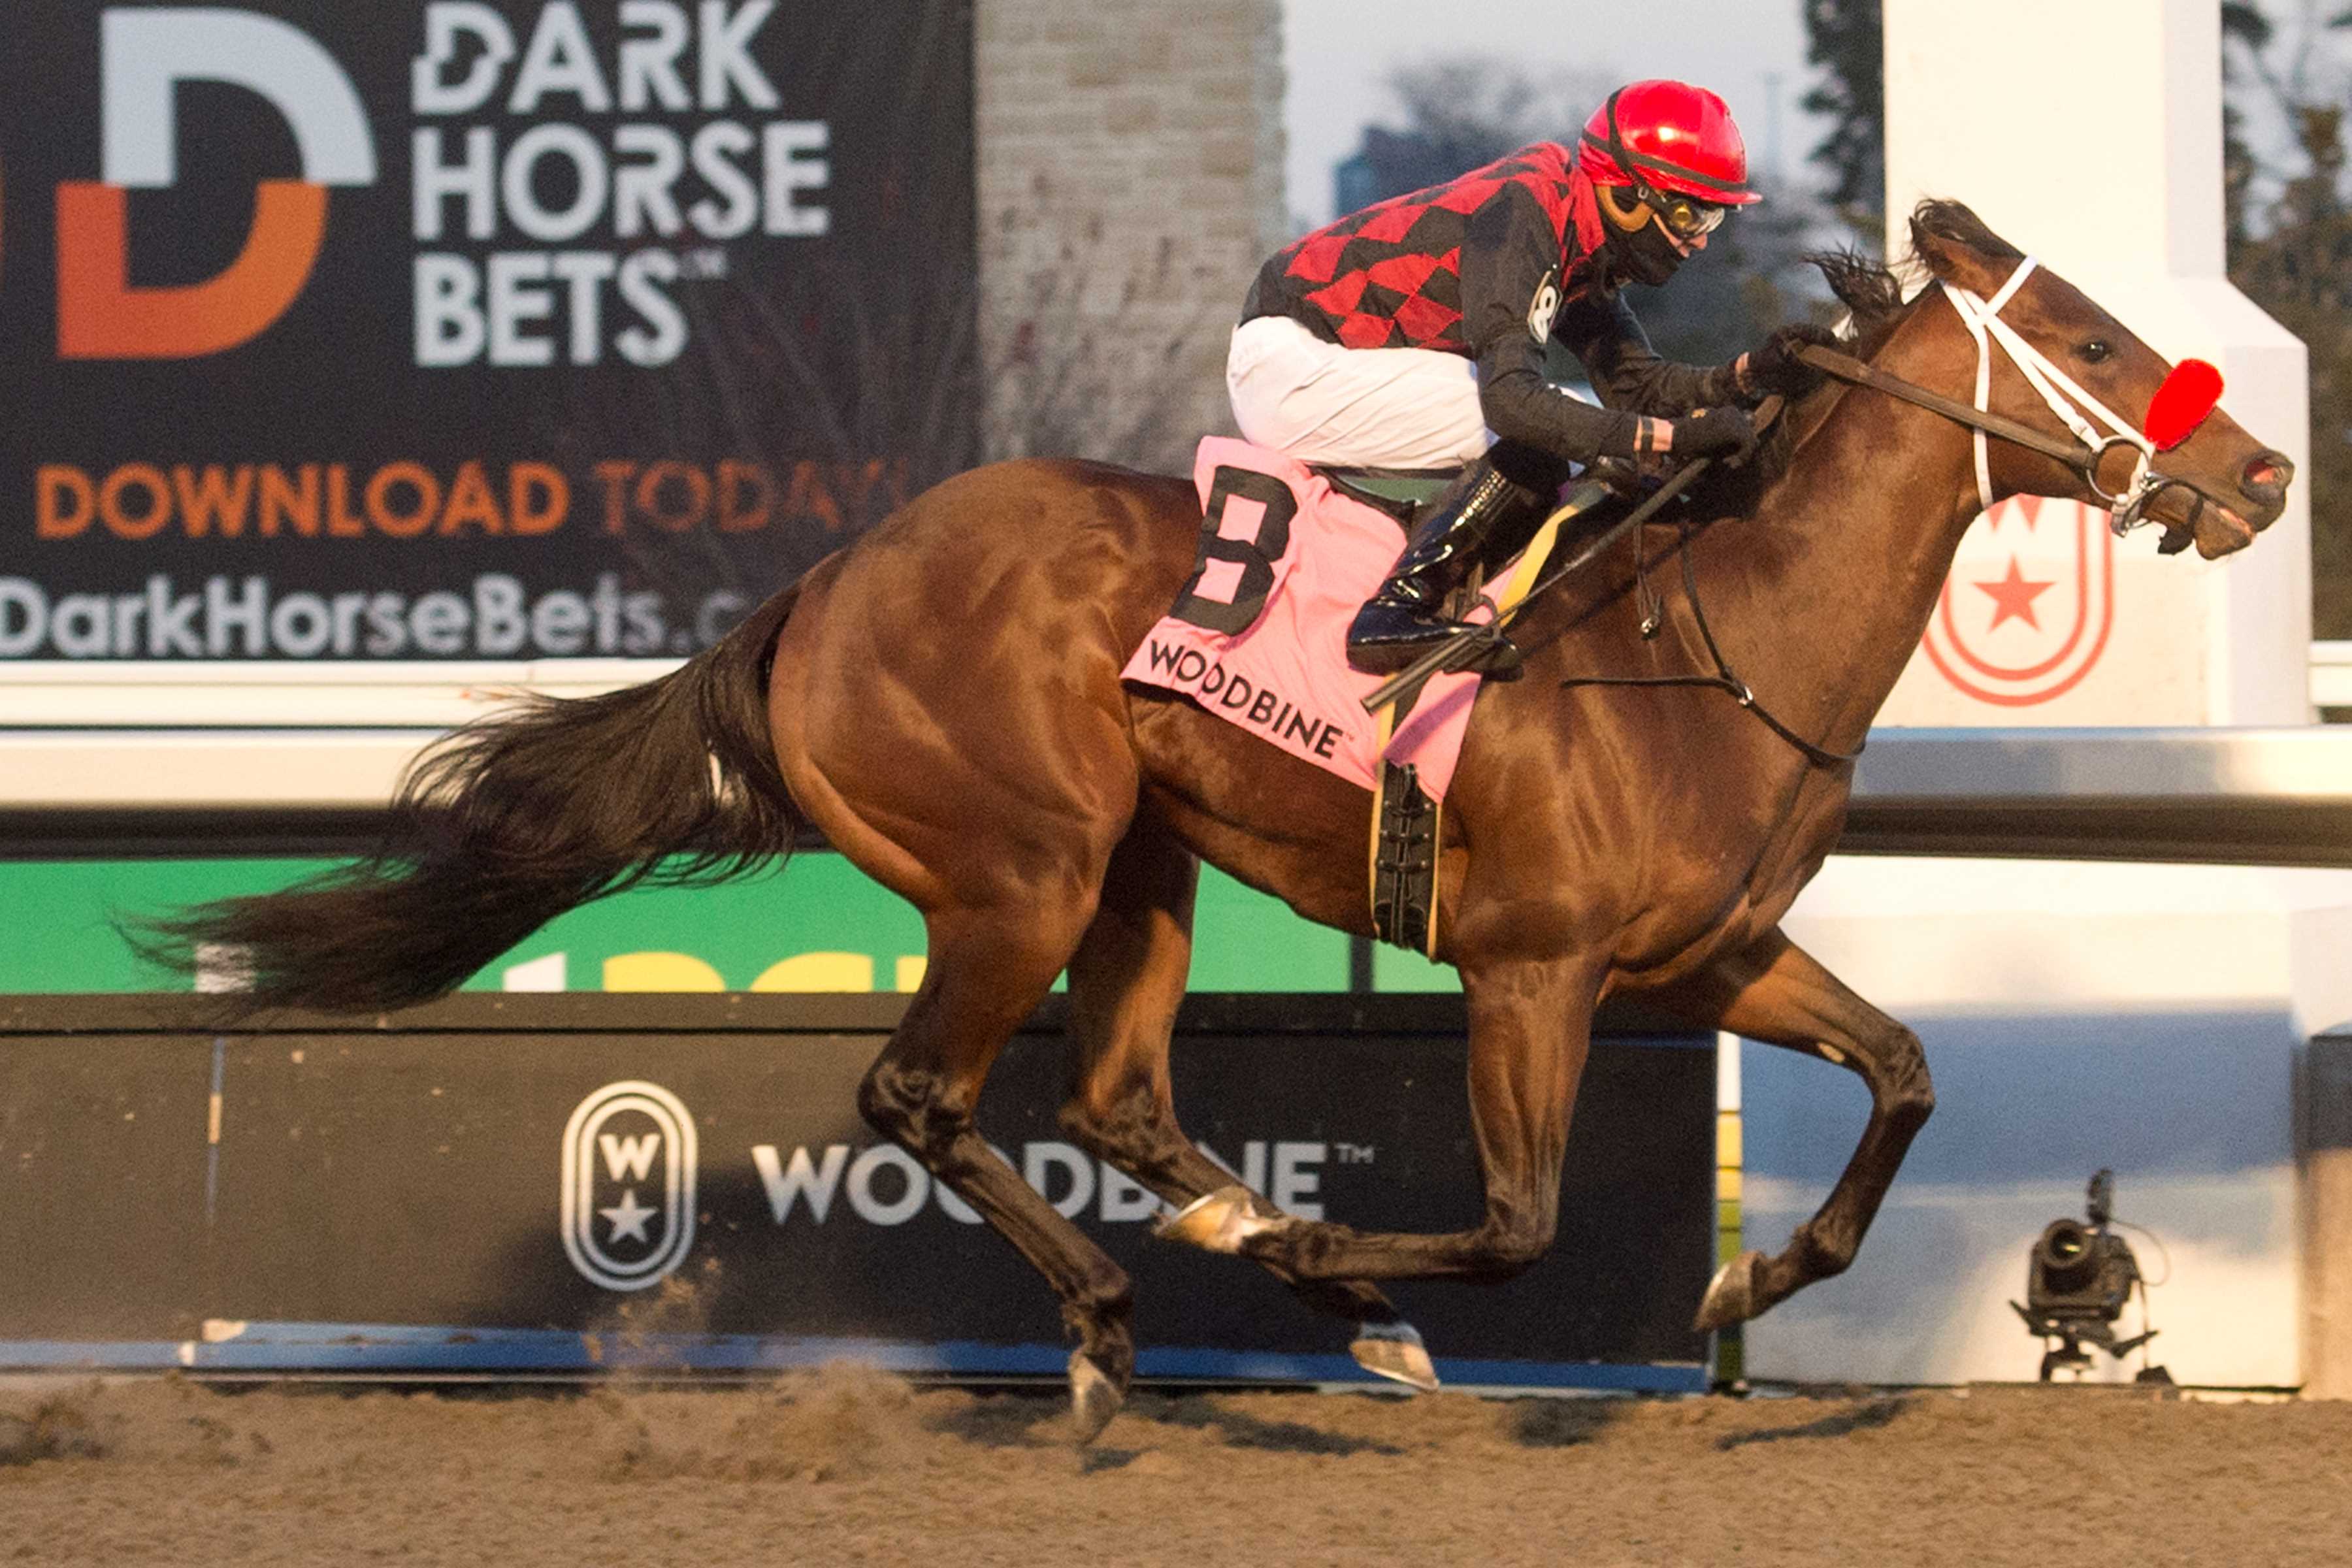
pixel 1484 516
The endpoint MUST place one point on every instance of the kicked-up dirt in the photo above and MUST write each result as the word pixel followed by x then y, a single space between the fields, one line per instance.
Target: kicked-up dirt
pixel 847 1466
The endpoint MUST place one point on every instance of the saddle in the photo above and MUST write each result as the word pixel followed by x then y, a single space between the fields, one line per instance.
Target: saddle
pixel 1257 637
pixel 1401 493
pixel 1405 818
pixel 1404 493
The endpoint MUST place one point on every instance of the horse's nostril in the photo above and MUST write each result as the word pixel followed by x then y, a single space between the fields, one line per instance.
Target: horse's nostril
pixel 2267 476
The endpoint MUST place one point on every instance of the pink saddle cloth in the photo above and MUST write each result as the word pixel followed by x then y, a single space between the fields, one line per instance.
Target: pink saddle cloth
pixel 1259 634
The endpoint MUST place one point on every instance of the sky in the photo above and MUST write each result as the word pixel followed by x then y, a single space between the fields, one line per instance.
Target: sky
pixel 1339 53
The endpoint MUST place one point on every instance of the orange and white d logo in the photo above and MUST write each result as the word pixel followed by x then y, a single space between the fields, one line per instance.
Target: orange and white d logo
pixel 144 53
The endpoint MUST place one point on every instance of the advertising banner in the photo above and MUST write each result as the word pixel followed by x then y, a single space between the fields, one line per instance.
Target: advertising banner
pixel 571 1184
pixel 456 329
pixel 815 925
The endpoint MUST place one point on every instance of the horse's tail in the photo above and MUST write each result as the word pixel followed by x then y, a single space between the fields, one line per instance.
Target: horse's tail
pixel 514 819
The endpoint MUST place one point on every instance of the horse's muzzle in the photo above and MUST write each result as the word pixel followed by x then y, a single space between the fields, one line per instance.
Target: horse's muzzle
pixel 2220 530
pixel 2264 482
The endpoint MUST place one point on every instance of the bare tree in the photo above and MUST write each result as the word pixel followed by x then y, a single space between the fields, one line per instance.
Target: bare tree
pixel 2291 246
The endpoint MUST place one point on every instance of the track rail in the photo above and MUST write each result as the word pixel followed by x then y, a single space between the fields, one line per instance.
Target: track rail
pixel 2237 796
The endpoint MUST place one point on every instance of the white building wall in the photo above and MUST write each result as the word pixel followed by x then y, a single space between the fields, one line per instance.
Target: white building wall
pixel 2099 152
pixel 2075 1016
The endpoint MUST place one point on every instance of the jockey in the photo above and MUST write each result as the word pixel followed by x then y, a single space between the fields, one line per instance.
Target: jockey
pixel 1412 335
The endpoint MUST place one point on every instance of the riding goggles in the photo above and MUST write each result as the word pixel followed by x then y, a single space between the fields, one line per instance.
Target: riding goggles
pixel 1685 218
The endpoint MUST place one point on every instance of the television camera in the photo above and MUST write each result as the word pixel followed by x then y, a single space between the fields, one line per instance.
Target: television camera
pixel 2077 1282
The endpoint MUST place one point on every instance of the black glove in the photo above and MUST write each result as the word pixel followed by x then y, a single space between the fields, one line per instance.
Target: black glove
pixel 1775 367
pixel 1713 433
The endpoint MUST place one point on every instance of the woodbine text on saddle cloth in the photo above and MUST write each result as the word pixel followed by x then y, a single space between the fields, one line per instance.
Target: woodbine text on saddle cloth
pixel 1283 676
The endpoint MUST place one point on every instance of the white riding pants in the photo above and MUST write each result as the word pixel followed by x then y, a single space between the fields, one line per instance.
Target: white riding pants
pixel 1374 409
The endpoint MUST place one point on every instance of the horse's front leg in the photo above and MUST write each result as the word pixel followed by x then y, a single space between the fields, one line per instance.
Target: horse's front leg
pixel 1776 992
pixel 1531 1027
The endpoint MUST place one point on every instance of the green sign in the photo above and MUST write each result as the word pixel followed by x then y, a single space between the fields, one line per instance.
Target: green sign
pixel 815 925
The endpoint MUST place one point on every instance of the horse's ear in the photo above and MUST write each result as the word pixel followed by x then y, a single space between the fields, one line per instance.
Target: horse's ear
pixel 1953 258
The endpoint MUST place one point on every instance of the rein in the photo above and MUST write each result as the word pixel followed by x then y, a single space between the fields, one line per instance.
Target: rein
pixel 1846 367
pixel 1466 650
pixel 1724 678
pixel 1462 652
pixel 2126 509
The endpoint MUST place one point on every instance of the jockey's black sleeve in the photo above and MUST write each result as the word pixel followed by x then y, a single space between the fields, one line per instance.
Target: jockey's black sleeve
pixel 1607 338
pixel 1511 287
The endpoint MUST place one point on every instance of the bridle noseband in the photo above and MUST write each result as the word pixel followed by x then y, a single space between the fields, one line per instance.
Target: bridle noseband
pixel 2126 508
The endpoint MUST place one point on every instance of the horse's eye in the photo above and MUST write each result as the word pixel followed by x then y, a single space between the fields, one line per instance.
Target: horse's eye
pixel 2095 351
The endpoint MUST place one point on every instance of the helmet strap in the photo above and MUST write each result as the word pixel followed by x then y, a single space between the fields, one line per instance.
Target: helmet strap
pixel 1624 157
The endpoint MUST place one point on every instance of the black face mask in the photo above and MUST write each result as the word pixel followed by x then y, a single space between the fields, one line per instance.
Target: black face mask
pixel 1646 256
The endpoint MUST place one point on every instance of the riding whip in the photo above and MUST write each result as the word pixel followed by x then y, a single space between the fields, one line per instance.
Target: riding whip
pixel 1463 651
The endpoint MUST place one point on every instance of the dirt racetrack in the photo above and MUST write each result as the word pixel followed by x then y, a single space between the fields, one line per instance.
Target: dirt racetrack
pixel 849 1466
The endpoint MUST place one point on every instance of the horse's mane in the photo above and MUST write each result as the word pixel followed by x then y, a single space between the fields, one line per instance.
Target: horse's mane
pixel 1873 293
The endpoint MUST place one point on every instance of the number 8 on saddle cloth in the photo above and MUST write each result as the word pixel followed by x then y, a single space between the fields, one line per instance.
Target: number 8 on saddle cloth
pixel 1257 637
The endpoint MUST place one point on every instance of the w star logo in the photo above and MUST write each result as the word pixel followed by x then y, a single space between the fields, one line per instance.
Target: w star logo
pixel 627 1209
pixel 144 54
pixel 2029 605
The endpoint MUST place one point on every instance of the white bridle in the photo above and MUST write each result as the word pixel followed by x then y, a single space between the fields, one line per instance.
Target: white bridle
pixel 1982 317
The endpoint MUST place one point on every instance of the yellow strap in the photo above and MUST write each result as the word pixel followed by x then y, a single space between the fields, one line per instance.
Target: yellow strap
pixel 1538 555
pixel 1436 874
pixel 1379 792
pixel 1523 578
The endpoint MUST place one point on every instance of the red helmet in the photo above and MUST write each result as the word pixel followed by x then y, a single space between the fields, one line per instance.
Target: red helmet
pixel 1677 138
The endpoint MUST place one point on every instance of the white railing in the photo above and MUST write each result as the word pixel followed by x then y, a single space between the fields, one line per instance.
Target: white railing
pixel 68 694
pixel 2331 674
pixel 255 695
pixel 91 737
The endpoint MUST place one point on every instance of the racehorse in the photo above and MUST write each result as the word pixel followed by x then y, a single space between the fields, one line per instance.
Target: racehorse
pixel 942 699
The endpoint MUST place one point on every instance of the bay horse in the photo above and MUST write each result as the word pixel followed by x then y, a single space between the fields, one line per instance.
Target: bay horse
pixel 942 699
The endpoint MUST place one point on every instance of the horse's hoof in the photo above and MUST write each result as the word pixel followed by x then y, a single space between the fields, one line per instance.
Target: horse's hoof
pixel 1094 1398
pixel 1731 1298
pixel 1394 1351
pixel 1219 1221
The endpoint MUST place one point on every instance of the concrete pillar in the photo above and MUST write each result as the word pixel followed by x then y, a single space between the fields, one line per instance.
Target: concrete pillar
pixel 2089 135
pixel 2324 1165
pixel 1129 184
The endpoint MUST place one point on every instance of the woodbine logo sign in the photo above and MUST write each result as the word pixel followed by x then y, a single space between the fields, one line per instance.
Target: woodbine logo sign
pixel 631 1165
pixel 403 330
pixel 883 1185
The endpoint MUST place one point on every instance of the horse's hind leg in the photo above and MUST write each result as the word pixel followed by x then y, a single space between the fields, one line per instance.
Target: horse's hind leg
pixel 1776 992
pixel 989 969
pixel 1125 982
